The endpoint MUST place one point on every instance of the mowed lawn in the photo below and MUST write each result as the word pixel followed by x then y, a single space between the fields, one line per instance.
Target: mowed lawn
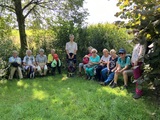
pixel 62 98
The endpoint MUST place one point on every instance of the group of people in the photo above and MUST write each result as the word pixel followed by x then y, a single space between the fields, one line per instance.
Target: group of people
pixel 30 64
pixel 106 68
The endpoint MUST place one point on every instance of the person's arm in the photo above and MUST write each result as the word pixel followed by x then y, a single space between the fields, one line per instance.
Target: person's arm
pixel 19 61
pixel 11 60
pixel 24 61
pixel 45 59
pixel 37 61
pixel 142 52
pixel 67 50
pixel 114 69
pixel 76 48
pixel 34 61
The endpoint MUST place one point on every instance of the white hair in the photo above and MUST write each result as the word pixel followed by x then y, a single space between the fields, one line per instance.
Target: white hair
pixel 94 50
pixel 41 50
pixel 28 51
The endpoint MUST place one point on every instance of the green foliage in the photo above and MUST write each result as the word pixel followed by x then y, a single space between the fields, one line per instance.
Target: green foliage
pixel 6 45
pixel 144 16
pixel 62 98
pixel 108 36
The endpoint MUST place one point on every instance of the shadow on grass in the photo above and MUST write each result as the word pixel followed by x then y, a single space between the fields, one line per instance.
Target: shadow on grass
pixel 66 98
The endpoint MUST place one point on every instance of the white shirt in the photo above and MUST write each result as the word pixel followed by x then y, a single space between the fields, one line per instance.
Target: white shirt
pixel 71 47
pixel 29 60
pixel 138 53
pixel 105 59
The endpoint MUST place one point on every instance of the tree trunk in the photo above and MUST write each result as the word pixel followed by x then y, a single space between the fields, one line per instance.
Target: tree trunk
pixel 21 26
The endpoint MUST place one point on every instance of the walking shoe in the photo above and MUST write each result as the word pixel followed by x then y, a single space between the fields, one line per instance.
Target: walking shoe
pixel 103 83
pixel 136 96
pixel 87 77
pixel 114 85
pixel 125 87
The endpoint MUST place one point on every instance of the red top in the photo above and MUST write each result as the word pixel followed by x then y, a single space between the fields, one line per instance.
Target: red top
pixel 55 56
pixel 90 54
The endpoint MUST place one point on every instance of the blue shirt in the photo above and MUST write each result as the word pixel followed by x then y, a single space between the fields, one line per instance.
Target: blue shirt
pixel 125 62
pixel 13 59
pixel 94 59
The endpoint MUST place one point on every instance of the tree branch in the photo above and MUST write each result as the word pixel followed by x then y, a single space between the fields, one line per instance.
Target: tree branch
pixel 8 7
pixel 27 5
pixel 30 11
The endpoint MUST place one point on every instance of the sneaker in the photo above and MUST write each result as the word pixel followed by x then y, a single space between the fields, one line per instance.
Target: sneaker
pixel 89 78
pixel 86 77
pixel 103 83
pixel 92 78
pixel 125 87
pixel 134 81
pixel 136 96
pixel 114 85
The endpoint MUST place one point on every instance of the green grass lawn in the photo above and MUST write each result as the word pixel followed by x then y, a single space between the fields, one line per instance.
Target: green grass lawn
pixel 62 98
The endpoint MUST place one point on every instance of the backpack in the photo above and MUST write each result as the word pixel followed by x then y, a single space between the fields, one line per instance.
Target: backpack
pixel 85 60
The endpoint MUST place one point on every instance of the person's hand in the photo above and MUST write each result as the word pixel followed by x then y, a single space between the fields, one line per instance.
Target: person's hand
pixel 136 63
pixel 69 56
pixel 72 57
pixel 42 67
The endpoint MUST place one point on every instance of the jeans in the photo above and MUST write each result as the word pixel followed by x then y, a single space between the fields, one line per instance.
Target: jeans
pixel 98 72
pixel 107 77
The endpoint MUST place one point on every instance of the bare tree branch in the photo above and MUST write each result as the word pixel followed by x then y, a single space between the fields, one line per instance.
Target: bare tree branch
pixel 8 7
pixel 28 5
pixel 30 11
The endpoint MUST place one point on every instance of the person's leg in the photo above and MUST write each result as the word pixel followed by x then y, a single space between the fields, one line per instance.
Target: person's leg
pixel 80 68
pixel 137 74
pixel 45 70
pixel 98 72
pixel 115 79
pixel 59 68
pixel 53 70
pixel 12 71
pixel 127 73
pixel 39 70
pixel 91 72
pixel 19 72
pixel 110 78
pixel 104 73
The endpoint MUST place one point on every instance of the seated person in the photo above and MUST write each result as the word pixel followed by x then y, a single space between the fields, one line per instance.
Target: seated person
pixel 108 72
pixel 93 62
pixel 41 61
pixel 15 62
pixel 123 68
pixel 54 61
pixel 85 61
pixel 103 63
pixel 29 64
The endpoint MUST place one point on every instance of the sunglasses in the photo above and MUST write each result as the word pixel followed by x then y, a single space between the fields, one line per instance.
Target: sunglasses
pixel 121 53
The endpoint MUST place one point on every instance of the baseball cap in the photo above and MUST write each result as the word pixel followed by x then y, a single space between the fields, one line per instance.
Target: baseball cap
pixel 123 51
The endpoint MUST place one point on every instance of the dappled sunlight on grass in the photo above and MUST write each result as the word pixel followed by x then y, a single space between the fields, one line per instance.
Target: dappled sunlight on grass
pixel 23 84
pixel 39 94
pixel 115 91
pixel 3 82
pixel 64 77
